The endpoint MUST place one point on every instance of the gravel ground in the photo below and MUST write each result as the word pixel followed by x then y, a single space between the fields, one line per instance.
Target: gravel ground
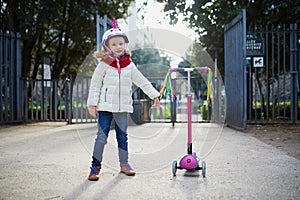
pixel 283 137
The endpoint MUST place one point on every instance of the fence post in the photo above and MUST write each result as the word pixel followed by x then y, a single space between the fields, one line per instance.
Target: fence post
pixel 102 24
pixel 98 37
pixel 10 73
pixel 217 93
pixel 70 113
pixel 293 71
pixel 18 78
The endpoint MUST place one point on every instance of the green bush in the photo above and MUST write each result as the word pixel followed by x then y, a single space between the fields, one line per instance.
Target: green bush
pixel 281 110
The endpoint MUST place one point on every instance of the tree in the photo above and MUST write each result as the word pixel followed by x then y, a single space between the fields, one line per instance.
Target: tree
pixel 63 31
pixel 208 17
pixel 150 62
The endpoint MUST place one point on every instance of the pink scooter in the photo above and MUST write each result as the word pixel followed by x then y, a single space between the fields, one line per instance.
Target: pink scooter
pixel 190 162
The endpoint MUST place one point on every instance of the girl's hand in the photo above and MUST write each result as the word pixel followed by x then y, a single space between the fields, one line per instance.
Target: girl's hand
pixel 93 110
pixel 156 103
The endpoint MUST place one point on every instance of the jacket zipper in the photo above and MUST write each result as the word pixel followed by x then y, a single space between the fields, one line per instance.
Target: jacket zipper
pixel 119 92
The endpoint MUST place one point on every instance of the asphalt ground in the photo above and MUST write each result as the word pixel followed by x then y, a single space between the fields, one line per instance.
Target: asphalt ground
pixel 52 160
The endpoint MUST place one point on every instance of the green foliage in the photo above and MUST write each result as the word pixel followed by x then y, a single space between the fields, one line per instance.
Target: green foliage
pixel 63 31
pixel 208 17
pixel 164 111
pixel 151 62
pixel 278 110
pixel 200 57
pixel 185 64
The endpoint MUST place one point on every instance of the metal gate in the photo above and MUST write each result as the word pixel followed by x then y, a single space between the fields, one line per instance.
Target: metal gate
pixel 235 72
pixel 10 73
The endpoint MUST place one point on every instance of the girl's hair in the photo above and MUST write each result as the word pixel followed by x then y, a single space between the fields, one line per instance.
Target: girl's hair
pixel 103 54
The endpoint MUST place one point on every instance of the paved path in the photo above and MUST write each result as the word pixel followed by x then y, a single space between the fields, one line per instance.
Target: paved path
pixel 51 161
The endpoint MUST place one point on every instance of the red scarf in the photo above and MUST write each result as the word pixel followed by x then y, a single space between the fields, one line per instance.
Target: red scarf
pixel 124 61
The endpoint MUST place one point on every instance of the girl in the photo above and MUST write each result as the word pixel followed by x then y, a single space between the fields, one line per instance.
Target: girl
pixel 110 97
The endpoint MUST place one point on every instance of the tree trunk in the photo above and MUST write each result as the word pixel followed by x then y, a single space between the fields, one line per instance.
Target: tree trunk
pixel 62 53
pixel 26 57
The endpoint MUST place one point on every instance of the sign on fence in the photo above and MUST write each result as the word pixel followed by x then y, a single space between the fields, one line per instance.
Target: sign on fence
pixel 258 61
pixel 255 46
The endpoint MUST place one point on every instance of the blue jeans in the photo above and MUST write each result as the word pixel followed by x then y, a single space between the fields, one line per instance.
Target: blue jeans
pixel 104 123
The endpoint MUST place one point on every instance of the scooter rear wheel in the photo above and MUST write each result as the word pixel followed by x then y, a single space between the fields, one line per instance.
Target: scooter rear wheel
pixel 174 167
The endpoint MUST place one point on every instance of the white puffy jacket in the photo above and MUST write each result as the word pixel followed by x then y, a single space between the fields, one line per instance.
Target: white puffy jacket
pixel 112 92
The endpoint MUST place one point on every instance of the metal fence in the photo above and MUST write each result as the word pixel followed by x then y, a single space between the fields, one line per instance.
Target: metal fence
pixel 264 93
pixel 261 73
pixel 10 73
pixel 79 94
pixel 273 84
pixel 143 112
pixel 45 100
pixel 65 100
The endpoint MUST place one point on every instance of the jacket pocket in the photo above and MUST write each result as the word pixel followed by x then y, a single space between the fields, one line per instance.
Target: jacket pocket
pixel 105 94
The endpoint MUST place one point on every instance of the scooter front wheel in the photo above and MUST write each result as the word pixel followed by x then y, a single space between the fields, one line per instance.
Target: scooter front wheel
pixel 174 167
pixel 203 169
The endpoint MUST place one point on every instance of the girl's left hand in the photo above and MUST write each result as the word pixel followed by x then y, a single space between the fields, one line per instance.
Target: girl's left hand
pixel 156 103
